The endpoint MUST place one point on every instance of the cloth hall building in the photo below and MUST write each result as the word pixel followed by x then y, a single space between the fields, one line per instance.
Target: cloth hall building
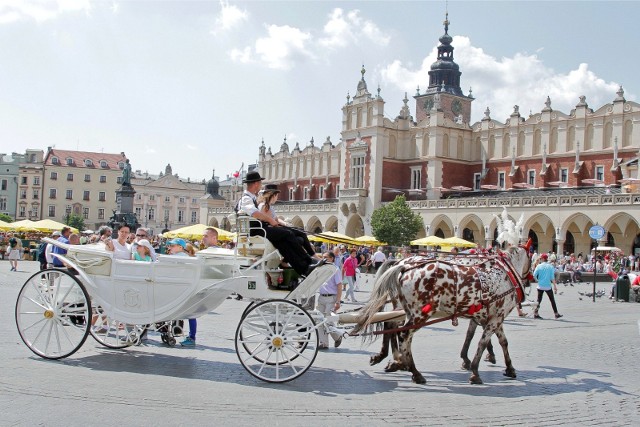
pixel 563 171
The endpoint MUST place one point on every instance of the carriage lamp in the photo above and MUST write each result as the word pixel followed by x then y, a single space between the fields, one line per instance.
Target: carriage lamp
pixel 48 314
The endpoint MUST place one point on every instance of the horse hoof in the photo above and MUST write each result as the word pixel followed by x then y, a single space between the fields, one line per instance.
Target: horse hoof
pixel 375 360
pixel 418 379
pixel 511 373
pixel 466 366
pixel 491 358
pixel 475 379
pixel 392 367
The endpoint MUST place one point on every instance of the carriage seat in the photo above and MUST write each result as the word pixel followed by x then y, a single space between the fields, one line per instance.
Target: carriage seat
pixel 258 244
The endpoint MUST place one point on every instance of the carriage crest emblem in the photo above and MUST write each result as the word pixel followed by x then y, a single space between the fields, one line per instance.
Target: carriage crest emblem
pixel 131 298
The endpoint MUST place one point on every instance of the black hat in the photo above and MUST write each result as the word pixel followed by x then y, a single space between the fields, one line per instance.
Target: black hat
pixel 273 188
pixel 252 176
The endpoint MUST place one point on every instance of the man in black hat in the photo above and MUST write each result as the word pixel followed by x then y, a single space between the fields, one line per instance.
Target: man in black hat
pixel 281 237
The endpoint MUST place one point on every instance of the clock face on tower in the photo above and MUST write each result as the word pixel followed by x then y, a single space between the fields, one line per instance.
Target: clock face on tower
pixel 456 107
pixel 428 104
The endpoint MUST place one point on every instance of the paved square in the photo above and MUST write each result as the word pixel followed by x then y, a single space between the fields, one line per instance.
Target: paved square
pixel 580 370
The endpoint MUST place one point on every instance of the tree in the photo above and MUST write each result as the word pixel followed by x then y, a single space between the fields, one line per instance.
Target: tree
pixel 6 218
pixel 395 223
pixel 75 221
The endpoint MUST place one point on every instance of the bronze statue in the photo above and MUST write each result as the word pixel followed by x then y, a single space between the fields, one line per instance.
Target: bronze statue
pixel 126 174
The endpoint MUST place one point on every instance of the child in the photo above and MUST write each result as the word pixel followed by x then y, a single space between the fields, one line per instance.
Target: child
pixel 143 250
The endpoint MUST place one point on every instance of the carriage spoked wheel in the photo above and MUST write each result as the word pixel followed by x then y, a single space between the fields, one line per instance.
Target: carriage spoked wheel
pixel 112 333
pixel 276 340
pixel 53 314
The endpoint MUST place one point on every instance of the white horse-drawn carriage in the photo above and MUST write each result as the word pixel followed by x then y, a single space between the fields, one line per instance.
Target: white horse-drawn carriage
pixel 115 300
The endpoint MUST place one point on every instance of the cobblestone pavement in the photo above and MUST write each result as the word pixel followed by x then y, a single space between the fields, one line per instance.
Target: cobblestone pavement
pixel 580 370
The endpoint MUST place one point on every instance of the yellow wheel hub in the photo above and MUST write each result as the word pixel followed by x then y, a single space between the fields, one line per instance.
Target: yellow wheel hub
pixel 277 342
pixel 48 314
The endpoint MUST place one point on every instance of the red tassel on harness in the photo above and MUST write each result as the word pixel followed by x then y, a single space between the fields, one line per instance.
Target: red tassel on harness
pixel 426 309
pixel 474 309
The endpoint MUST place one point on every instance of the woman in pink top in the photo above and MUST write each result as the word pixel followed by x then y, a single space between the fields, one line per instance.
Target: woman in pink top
pixel 349 272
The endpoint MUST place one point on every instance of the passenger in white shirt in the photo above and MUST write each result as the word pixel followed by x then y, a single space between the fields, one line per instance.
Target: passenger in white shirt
pixel 120 248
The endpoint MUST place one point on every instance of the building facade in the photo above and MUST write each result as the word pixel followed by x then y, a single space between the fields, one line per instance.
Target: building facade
pixel 10 183
pixel 82 183
pixel 563 172
pixel 167 202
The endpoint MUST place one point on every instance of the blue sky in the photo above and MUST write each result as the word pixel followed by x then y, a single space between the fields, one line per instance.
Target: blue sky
pixel 199 84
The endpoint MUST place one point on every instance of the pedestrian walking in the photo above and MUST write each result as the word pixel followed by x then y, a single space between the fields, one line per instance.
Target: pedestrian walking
pixel 545 275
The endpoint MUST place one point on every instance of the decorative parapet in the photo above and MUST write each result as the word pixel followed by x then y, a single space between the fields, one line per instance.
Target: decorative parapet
pixel 527 202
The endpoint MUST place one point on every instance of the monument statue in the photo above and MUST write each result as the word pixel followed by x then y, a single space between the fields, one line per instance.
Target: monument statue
pixel 126 174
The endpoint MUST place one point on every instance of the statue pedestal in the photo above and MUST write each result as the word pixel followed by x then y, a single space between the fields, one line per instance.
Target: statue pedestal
pixel 124 199
pixel 124 207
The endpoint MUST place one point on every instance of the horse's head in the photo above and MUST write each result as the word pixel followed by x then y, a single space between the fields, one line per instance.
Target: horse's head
pixel 521 262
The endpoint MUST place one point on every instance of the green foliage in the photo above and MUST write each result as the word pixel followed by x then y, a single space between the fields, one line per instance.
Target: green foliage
pixel 395 223
pixel 6 218
pixel 75 221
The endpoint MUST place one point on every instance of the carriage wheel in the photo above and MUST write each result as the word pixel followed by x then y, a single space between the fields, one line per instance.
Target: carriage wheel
pixel 112 333
pixel 52 314
pixel 276 341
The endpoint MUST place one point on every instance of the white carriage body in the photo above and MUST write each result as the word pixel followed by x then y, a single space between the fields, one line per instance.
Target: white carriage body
pixel 176 287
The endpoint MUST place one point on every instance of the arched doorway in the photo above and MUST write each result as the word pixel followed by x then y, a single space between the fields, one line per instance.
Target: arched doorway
pixel 569 243
pixel 467 234
pixel 534 239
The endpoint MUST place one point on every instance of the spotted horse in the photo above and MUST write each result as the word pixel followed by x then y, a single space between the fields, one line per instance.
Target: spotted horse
pixel 483 288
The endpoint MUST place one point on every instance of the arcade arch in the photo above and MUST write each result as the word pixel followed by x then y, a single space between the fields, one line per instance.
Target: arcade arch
pixel 472 229
pixel 578 225
pixel 331 224
pixel 296 221
pixel 314 225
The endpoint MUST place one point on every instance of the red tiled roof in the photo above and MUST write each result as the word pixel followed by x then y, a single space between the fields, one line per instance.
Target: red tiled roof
pixel 79 158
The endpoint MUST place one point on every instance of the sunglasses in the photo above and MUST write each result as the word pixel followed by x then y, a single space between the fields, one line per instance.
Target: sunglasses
pixel 141 235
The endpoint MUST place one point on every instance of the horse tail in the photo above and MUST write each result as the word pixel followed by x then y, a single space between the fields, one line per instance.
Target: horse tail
pixel 385 288
pixel 384 267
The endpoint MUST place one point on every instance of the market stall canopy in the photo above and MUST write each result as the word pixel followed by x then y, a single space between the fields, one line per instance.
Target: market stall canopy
pixel 333 237
pixel 196 231
pixel 368 240
pixel 428 241
pixel 49 226
pixel 458 242
pixel 24 225
pixel 5 225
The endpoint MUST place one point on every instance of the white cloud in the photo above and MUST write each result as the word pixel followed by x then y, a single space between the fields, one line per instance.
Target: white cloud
pixel 243 56
pixel 39 11
pixel 342 30
pixel 502 83
pixel 149 150
pixel 229 17
pixel 283 47
pixel 192 147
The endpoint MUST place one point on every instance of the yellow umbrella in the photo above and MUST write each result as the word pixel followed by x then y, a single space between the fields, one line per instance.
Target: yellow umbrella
pixel 195 232
pixel 49 226
pixel 456 241
pixel 428 241
pixel 333 237
pixel 5 225
pixel 23 225
pixel 368 240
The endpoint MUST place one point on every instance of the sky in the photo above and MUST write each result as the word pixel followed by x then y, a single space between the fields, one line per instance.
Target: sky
pixel 199 84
